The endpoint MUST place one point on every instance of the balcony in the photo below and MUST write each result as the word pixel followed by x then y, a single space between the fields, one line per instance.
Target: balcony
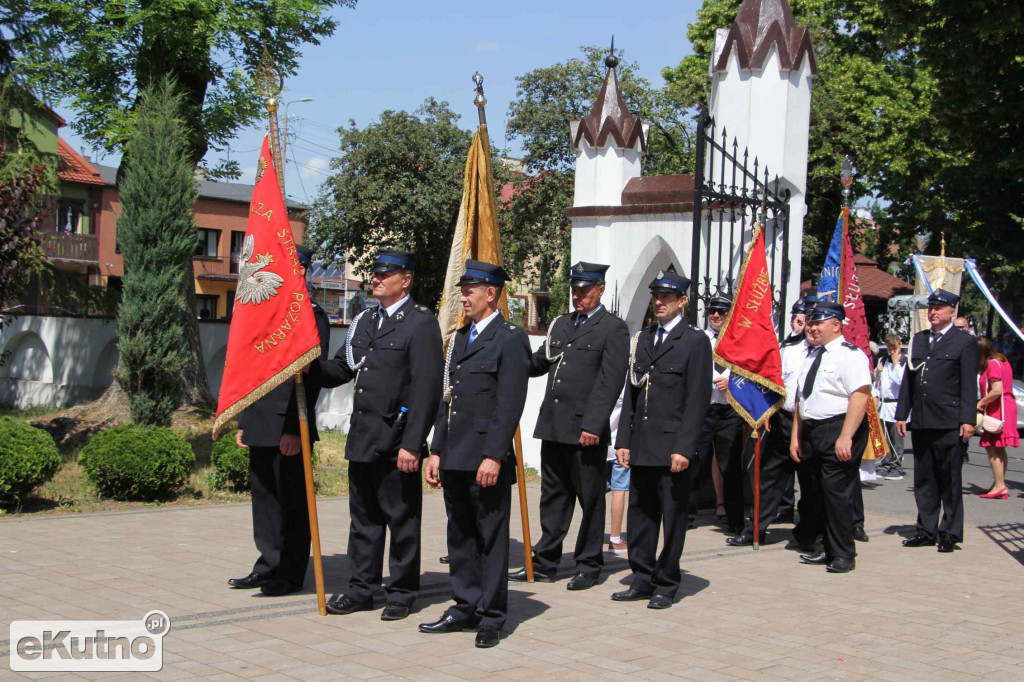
pixel 80 249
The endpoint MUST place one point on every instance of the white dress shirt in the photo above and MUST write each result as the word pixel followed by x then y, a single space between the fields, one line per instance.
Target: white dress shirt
pixel 391 309
pixel 717 396
pixel 890 377
pixel 843 370
pixel 483 323
pixel 792 359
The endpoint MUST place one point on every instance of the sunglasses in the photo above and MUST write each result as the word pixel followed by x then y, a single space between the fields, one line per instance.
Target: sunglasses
pixel 718 311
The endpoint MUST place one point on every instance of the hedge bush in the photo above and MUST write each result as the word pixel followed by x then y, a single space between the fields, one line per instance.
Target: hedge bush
pixel 28 458
pixel 137 462
pixel 230 462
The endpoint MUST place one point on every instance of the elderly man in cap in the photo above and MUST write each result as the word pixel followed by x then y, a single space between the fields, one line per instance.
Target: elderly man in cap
pixel 584 360
pixel 778 469
pixel 938 396
pixel 392 354
pixel 722 433
pixel 269 428
pixel 830 432
pixel 487 369
pixel 665 405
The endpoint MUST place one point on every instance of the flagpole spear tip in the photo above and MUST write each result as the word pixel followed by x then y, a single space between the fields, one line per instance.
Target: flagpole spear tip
pixel 480 101
pixel 846 178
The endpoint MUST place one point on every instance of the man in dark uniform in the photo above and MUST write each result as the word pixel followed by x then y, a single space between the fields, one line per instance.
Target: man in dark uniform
pixel 393 355
pixel 584 360
pixel 487 370
pixel 722 432
pixel 777 468
pixel 269 428
pixel 830 432
pixel 938 395
pixel 664 408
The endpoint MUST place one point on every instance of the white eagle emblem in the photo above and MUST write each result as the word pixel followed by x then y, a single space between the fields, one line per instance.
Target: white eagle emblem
pixel 254 284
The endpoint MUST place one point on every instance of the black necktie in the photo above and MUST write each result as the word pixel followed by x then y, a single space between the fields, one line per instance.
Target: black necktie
pixel 580 319
pixel 380 323
pixel 935 339
pixel 809 382
pixel 661 336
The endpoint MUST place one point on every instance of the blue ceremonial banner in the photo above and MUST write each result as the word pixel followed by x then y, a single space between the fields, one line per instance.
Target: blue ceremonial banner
pixel 758 401
pixel 828 283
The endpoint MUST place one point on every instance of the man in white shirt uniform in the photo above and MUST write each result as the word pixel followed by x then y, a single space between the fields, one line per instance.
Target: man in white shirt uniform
pixel 830 433
pixel 722 435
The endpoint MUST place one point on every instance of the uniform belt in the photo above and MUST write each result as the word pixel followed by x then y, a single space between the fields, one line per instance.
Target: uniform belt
pixel 821 422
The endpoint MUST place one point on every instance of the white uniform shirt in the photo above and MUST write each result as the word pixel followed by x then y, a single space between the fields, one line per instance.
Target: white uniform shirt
pixel 843 370
pixel 792 359
pixel 717 397
pixel 890 377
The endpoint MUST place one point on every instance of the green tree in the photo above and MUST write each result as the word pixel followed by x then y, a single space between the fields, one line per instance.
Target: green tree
pixel 157 329
pixel 110 51
pixel 397 184
pixel 535 227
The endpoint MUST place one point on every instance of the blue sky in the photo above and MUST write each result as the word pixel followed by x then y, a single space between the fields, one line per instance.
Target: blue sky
pixel 393 54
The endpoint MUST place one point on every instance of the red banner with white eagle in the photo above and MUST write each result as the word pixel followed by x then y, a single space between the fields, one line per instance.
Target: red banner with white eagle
pixel 273 332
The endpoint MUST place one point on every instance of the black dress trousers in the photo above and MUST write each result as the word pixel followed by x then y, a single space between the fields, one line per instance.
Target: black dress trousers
pixel 722 436
pixel 938 482
pixel 280 517
pixel 834 481
pixel 657 498
pixel 570 473
pixel 382 497
pixel 478 545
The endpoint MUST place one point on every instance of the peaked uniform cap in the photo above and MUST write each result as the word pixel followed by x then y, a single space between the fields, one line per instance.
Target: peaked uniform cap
pixel 826 310
pixel 394 260
pixel 480 272
pixel 671 282
pixel 584 274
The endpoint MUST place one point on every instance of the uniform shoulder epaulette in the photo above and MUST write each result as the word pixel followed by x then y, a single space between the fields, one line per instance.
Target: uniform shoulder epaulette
pixel 847 344
pixel 422 309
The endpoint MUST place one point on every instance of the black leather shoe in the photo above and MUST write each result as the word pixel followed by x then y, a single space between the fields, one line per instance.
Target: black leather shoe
pixel 581 581
pixel 630 595
pixel 841 565
pixel 538 577
pixel 443 560
pixel 344 605
pixel 279 588
pixel 745 539
pixel 250 582
pixel 487 637
pixel 919 540
pixel 947 543
pixel 859 534
pixel 446 624
pixel 660 601
pixel 394 611
pixel 784 517
pixel 814 559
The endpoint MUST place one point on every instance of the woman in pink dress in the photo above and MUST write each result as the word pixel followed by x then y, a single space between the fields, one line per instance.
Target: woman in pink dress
pixel 995 383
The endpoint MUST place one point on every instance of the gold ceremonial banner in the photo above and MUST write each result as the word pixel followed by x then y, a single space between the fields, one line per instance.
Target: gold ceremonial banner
pixel 942 273
pixel 476 233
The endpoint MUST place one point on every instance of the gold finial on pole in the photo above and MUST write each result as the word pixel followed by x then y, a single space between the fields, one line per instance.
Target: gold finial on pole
pixel 269 83
pixel 480 101
pixel 943 244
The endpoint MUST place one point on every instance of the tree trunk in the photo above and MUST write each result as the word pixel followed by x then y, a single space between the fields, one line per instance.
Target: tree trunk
pixel 195 389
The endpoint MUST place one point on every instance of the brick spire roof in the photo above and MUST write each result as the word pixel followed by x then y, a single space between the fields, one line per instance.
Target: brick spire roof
pixel 609 117
pixel 761 25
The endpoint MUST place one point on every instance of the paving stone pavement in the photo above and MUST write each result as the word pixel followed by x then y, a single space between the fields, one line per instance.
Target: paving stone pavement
pixel 742 615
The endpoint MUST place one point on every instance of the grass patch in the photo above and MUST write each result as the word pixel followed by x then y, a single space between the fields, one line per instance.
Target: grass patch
pixel 25 415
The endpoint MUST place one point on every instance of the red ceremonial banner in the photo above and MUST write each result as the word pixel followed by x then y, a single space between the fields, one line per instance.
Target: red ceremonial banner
pixel 855 329
pixel 273 332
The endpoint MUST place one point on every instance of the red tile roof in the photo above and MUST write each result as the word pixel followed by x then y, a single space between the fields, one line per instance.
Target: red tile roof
pixel 875 284
pixel 74 168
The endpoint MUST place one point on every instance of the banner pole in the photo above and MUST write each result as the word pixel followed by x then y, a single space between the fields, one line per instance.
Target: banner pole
pixel 757 489
pixel 307 467
pixel 523 511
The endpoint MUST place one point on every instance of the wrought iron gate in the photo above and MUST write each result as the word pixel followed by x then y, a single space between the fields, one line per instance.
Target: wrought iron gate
pixel 728 190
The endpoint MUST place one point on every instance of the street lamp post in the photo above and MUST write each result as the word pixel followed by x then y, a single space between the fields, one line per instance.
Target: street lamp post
pixel 284 137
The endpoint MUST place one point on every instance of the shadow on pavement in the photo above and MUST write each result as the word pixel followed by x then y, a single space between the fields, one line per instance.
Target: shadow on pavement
pixel 904 531
pixel 1009 536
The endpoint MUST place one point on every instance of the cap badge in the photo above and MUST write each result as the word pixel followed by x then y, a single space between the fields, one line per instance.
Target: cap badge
pixel 579 268
pixel 661 274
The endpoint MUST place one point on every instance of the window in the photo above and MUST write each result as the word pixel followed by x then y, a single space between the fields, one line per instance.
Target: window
pixel 206 242
pixel 69 216
pixel 236 249
pixel 206 307
pixel 231 304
